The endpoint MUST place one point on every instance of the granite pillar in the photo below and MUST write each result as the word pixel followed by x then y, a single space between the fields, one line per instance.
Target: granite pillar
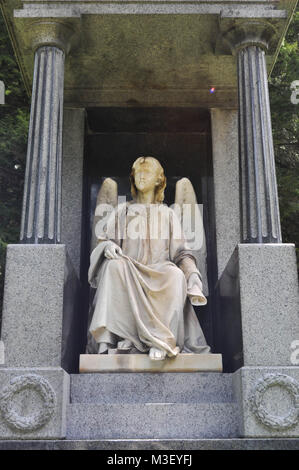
pixel 41 213
pixel 42 330
pixel 260 218
pixel 72 183
pixel 226 183
pixel 257 333
pixel 260 207
pixel 258 322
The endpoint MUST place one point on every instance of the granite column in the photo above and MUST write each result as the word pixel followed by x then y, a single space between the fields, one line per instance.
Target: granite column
pixel 260 218
pixel 41 213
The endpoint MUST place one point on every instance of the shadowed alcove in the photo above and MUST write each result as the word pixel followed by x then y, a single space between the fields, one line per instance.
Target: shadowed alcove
pixel 180 138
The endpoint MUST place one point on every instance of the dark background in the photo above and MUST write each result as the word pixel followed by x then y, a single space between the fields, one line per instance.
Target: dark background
pixel 180 138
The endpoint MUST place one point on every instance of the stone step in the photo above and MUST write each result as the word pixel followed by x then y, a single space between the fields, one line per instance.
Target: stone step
pixel 134 388
pixel 152 444
pixel 152 421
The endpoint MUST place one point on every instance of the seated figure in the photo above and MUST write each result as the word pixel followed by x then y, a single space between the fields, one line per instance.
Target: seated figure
pixel 145 275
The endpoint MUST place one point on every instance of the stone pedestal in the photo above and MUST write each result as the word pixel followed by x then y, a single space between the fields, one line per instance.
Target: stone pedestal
pixel 258 309
pixel 41 325
pixel 142 363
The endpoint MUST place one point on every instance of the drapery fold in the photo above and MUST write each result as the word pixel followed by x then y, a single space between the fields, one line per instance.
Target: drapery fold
pixel 142 296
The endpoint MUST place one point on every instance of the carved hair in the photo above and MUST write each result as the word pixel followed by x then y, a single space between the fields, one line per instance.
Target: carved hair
pixel 159 190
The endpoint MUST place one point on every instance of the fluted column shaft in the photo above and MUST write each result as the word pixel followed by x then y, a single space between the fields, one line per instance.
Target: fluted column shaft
pixel 259 206
pixel 42 193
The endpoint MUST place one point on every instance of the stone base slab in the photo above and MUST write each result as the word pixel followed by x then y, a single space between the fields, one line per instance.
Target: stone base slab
pixel 140 388
pixel 152 406
pixel 154 444
pixel 152 421
pixel 142 363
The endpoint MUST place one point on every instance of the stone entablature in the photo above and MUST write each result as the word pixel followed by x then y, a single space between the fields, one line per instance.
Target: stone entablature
pixel 130 54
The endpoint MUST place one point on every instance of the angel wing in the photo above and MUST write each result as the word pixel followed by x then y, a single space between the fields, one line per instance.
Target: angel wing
pixel 107 195
pixel 191 219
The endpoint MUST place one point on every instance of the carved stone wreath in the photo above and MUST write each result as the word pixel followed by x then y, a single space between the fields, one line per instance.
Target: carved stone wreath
pixel 37 419
pixel 275 422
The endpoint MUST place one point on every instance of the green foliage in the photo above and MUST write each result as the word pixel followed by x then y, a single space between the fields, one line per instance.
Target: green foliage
pixel 14 117
pixel 285 122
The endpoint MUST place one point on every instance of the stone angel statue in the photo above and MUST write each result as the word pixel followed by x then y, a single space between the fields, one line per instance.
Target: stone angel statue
pixel 145 274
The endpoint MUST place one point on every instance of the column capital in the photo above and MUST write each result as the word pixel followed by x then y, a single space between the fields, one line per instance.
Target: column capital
pixel 62 33
pixel 248 32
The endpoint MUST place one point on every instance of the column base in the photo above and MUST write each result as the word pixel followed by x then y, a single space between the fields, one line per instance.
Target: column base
pixel 268 399
pixel 33 403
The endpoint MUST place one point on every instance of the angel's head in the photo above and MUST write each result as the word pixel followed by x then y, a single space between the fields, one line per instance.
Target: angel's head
pixel 148 175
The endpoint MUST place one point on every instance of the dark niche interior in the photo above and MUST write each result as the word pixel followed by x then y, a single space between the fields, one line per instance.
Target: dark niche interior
pixel 180 138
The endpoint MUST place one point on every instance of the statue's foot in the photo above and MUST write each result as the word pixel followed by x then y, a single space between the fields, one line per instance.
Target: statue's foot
pixel 103 348
pixel 125 344
pixel 156 354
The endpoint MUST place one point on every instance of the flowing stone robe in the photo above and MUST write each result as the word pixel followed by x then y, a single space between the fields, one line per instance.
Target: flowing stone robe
pixel 142 296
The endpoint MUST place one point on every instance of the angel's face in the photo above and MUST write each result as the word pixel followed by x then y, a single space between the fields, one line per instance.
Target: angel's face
pixel 146 175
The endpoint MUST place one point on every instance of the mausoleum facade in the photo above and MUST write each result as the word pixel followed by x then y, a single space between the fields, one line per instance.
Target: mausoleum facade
pixel 186 82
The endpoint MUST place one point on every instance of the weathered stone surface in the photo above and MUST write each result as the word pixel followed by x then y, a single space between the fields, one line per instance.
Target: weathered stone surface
pixel 72 183
pixel 260 218
pixel 2 352
pixel 154 444
pixel 267 401
pixel 226 183
pixel 151 387
pixel 151 420
pixel 142 363
pixel 41 213
pixel 33 403
pixel 112 68
pixel 41 324
pixel 258 306
pixel 167 405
